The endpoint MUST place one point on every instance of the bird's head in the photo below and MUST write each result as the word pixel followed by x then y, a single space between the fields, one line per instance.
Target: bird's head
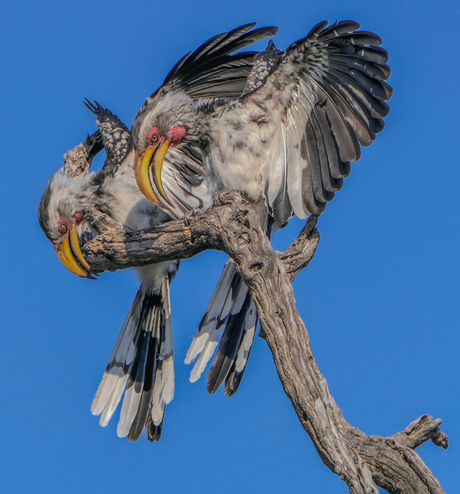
pixel 61 212
pixel 159 125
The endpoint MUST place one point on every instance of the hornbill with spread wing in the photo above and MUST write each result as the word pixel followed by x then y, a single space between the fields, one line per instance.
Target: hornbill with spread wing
pixel 141 364
pixel 230 320
pixel 282 130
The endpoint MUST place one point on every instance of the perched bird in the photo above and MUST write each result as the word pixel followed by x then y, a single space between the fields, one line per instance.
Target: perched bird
pixel 213 73
pixel 282 130
pixel 141 364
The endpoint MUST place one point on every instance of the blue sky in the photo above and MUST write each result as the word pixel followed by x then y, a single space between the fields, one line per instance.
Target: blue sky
pixel 380 299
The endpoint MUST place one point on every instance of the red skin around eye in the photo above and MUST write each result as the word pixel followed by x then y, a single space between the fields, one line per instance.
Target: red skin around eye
pixel 151 133
pixel 78 216
pixel 62 222
pixel 176 134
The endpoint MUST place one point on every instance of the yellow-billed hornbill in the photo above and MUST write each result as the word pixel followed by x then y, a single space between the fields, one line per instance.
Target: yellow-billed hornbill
pixel 282 129
pixel 141 365
pixel 231 316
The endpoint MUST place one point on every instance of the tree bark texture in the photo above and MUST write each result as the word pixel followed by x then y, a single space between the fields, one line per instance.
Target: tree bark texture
pixel 362 462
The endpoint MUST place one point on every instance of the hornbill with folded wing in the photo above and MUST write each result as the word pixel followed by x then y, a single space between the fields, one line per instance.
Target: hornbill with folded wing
pixel 283 133
pixel 141 364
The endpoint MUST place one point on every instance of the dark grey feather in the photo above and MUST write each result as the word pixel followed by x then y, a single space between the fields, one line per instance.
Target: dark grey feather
pixel 335 30
pixel 228 348
pixel 115 136
pixel 340 98
pixel 153 431
pixel 235 376
pixel 93 144
pixel 148 382
pixel 369 53
pixel 213 63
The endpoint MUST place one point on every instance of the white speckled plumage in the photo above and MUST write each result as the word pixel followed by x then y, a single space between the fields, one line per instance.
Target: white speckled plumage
pixel 286 133
pixel 115 192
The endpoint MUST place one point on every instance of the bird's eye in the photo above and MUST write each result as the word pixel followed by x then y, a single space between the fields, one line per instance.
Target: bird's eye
pixel 153 136
pixel 63 228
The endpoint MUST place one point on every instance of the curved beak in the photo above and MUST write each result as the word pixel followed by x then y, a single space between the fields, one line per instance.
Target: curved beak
pixel 70 255
pixel 147 170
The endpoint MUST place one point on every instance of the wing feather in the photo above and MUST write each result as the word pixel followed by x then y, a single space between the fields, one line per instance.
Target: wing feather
pixel 214 69
pixel 329 94
pixel 182 177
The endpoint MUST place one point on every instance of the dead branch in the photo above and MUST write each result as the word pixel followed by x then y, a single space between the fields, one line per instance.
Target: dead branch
pixel 76 162
pixel 362 462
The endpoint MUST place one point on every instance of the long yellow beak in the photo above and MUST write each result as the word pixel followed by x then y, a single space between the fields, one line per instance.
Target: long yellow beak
pixel 70 255
pixel 154 192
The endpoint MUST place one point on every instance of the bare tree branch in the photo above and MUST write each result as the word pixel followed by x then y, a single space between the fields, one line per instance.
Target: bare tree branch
pixel 76 162
pixel 362 462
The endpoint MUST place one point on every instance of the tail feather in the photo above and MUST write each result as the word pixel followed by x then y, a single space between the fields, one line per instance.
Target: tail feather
pixel 112 404
pixel 230 318
pixel 153 431
pixel 163 390
pixel 137 367
pixel 143 387
pixel 134 387
pixel 230 342
pixel 205 339
pixel 122 356
pixel 234 377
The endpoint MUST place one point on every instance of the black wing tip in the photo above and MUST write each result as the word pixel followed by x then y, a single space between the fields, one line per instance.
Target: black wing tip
pixel 344 29
pixel 93 145
pixel 92 107
pixel 245 27
pixel 229 43
pixel 269 30
pixel 95 107
pixel 317 29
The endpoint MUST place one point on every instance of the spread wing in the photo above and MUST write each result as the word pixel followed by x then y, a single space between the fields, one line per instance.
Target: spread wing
pixel 324 98
pixel 213 69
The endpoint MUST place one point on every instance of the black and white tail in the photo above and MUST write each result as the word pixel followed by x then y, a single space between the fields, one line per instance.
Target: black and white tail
pixel 142 366
pixel 231 318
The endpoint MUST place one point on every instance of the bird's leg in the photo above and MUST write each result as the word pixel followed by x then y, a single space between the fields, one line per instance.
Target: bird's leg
pixel 188 215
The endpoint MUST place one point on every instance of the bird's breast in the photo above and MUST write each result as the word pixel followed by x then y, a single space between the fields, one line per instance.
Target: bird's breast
pixel 239 149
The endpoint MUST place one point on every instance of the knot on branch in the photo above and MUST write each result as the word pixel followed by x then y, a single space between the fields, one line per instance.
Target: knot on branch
pixel 256 267
pixel 243 239
pixel 239 209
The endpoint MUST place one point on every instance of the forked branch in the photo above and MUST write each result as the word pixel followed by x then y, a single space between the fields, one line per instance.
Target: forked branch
pixel 362 462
